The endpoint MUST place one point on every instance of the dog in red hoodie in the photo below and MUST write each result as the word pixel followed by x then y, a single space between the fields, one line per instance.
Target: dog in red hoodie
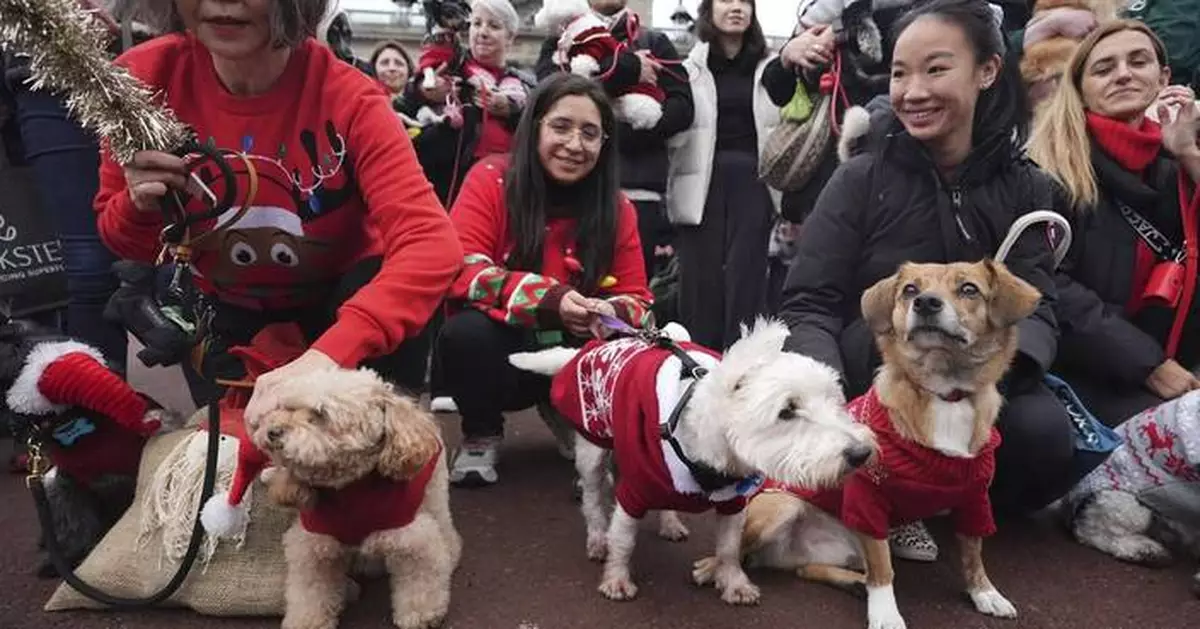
pixel 694 431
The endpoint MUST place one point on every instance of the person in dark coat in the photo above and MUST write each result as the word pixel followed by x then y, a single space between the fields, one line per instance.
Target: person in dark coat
pixel 649 55
pixel 941 180
pixel 1117 167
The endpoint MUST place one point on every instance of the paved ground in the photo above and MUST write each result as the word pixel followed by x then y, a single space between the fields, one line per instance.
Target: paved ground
pixel 524 568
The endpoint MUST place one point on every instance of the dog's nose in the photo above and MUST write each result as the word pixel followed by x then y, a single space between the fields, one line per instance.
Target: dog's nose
pixel 274 435
pixel 928 304
pixel 856 455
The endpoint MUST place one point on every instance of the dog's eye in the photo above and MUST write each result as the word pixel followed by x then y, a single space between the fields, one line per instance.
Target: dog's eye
pixel 910 290
pixel 968 290
pixel 788 413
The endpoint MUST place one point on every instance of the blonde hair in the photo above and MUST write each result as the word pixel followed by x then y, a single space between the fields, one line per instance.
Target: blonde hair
pixel 1060 143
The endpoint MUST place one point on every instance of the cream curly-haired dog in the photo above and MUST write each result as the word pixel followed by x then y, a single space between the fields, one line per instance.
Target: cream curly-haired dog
pixel 366 468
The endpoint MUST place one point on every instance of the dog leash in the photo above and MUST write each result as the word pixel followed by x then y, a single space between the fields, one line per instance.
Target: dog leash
pixel 706 477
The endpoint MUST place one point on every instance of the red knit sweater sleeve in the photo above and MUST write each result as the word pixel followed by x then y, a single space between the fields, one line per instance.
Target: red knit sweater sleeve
pixel 511 297
pixel 421 254
pixel 865 507
pixel 630 295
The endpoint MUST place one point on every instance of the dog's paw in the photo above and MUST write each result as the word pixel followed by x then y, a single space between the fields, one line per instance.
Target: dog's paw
pixel 704 571
pixel 597 547
pixel 886 621
pixel 671 528
pixel 741 592
pixel 419 619
pixel 1142 550
pixel 618 588
pixel 992 603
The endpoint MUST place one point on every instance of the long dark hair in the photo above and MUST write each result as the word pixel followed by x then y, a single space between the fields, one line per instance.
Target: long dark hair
pixel 594 197
pixel 754 42
pixel 1003 107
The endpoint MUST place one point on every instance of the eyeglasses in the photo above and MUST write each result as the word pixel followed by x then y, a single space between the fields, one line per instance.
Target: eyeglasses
pixel 564 130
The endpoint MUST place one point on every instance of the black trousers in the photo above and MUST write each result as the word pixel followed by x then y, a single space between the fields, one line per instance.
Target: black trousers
pixel 234 326
pixel 654 230
pixel 476 372
pixel 723 260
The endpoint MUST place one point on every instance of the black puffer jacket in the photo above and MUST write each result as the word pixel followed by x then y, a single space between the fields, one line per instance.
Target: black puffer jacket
pixel 888 206
pixel 1096 280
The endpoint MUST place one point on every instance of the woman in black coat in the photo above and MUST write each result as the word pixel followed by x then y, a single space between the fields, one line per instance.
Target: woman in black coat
pixel 1123 352
pixel 942 181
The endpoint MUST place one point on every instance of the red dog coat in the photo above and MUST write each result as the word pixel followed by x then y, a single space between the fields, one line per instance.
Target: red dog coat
pixel 908 482
pixel 616 393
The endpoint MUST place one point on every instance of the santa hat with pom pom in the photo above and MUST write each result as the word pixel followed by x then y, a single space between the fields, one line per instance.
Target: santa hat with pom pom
pixel 225 513
pixel 60 375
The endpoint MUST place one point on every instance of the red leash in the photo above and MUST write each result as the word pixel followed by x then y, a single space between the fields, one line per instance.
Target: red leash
pixel 1191 261
pixel 831 83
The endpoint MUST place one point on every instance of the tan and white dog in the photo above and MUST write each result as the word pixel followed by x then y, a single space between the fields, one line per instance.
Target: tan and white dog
pixel 947 335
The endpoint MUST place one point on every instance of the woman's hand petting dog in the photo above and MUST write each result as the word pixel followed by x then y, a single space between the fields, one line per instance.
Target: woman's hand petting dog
pixel 1171 380
pixel 150 175
pixel 264 398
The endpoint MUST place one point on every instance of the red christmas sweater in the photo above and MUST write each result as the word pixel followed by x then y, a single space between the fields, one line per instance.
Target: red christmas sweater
pixel 908 482
pixel 326 177
pixel 527 299
pixel 367 506
pixel 616 393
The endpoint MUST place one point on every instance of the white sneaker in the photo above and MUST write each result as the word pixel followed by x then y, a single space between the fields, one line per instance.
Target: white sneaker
pixel 913 542
pixel 443 404
pixel 475 463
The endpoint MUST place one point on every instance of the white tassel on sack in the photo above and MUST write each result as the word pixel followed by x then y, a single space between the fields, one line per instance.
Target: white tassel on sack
pixel 171 504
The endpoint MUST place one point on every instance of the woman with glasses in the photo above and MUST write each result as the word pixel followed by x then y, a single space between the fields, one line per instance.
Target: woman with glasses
pixel 551 244
pixel 723 212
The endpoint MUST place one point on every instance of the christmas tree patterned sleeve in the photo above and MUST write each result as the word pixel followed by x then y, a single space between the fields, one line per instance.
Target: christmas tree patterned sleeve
pixel 517 298
pixel 626 286
pixel 421 254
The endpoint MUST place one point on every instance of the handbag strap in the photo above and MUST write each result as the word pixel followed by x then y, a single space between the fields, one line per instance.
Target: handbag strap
pixel 1158 243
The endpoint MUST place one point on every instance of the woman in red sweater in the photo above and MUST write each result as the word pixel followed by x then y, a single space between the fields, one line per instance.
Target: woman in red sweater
pixel 334 227
pixel 550 244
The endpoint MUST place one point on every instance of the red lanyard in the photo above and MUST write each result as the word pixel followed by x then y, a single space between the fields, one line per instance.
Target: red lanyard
pixel 1190 214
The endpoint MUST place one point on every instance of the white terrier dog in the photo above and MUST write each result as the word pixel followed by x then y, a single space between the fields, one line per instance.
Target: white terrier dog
pixel 692 431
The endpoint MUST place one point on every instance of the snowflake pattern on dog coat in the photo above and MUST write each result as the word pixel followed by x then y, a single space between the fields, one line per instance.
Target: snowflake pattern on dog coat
pixel 611 393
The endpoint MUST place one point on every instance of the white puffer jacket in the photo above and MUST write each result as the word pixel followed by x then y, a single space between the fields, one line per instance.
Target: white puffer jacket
pixel 690 152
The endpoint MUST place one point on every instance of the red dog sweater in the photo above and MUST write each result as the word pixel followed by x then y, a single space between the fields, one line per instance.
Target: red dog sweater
pixel 367 506
pixel 908 482
pixel 616 393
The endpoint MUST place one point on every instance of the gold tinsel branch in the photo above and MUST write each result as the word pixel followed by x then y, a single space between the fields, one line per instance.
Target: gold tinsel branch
pixel 66 45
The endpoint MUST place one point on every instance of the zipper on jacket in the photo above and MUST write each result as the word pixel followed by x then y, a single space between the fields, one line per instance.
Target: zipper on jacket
pixel 956 198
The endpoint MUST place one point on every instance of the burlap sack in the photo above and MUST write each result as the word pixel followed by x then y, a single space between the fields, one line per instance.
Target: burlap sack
pixel 245 579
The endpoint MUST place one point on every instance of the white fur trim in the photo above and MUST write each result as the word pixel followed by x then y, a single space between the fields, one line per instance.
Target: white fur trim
pixel 641 111
pixel 25 396
pixel 668 387
pixel 855 124
pixel 584 65
pixel 676 332
pixel 259 216
pixel 222 519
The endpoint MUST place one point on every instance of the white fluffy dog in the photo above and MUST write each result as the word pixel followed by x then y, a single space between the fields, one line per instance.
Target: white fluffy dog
pixel 692 431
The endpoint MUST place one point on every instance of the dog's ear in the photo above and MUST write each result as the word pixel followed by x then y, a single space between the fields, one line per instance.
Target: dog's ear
pixel 878 302
pixel 1012 299
pixel 411 438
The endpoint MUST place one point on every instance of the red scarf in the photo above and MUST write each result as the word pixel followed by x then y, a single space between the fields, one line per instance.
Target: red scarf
pixel 1133 149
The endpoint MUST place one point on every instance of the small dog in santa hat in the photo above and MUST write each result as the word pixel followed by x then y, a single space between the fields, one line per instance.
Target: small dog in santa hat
pixel 587 48
pixel 92 426
pixel 365 467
